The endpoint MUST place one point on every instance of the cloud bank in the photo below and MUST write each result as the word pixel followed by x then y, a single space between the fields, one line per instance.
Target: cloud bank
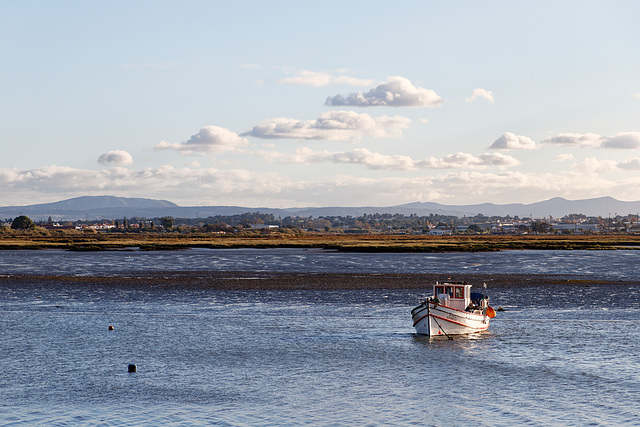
pixel 622 141
pixel 395 92
pixel 332 126
pixel 619 141
pixel 596 166
pixel 574 139
pixel 163 181
pixel 212 186
pixel 362 156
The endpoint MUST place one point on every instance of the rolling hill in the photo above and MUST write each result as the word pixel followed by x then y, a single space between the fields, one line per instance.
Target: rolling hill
pixel 112 207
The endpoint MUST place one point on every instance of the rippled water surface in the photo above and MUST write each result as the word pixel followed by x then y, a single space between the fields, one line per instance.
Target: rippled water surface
pixel 622 264
pixel 557 356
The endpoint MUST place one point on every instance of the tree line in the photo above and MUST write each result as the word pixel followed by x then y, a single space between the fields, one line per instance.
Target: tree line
pixel 363 223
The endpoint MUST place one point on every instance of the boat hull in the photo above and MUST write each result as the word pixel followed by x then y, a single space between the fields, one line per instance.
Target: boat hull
pixel 435 319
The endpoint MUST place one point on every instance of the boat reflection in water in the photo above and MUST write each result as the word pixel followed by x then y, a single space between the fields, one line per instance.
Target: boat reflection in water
pixel 452 310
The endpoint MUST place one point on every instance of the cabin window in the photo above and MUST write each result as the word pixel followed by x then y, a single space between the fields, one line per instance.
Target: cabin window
pixel 439 290
pixel 448 290
pixel 459 292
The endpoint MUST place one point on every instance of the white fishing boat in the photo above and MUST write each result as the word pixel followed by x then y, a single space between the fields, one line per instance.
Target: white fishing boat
pixel 452 310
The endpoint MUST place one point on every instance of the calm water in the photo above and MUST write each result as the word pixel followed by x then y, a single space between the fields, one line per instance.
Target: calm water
pixel 557 356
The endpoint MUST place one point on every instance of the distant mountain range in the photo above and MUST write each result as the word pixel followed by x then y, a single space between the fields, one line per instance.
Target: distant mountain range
pixel 111 207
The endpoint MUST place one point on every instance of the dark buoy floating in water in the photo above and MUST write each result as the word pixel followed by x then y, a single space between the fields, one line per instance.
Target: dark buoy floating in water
pixel 133 368
pixel 111 327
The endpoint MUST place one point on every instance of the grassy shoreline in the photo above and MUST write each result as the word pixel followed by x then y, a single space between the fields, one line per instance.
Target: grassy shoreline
pixel 346 243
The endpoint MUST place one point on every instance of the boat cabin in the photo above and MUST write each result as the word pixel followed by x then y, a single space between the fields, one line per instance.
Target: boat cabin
pixel 457 295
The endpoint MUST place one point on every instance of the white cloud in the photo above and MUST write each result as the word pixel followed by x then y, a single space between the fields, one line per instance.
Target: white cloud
pixel 593 165
pixel 510 141
pixel 465 160
pixel 116 157
pixel 498 159
pixel 481 93
pixel 511 186
pixel 596 166
pixel 332 126
pixel 371 160
pixel 632 164
pixel 395 92
pixel 360 156
pixel 48 179
pixel 574 139
pixel 464 187
pixel 563 157
pixel 319 79
pixel 165 182
pixel 623 141
pixel 636 95
pixel 620 141
pixel 209 139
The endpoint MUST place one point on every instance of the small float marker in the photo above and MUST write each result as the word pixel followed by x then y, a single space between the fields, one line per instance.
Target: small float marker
pixel 133 368
pixel 111 327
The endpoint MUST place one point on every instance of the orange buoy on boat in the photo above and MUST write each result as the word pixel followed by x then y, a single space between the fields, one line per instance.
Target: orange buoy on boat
pixel 491 312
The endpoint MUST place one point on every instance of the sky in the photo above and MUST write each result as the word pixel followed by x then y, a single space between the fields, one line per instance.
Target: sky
pixel 287 104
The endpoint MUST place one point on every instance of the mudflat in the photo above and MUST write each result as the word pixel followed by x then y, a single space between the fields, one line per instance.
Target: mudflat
pixel 243 280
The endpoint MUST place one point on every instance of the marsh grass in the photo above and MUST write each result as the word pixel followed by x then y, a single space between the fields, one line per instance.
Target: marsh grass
pixel 340 242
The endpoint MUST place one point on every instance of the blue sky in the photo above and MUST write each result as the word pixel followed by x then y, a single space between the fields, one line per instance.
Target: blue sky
pixel 286 104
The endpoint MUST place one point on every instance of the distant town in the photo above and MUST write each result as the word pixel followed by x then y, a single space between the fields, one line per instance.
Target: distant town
pixel 257 222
